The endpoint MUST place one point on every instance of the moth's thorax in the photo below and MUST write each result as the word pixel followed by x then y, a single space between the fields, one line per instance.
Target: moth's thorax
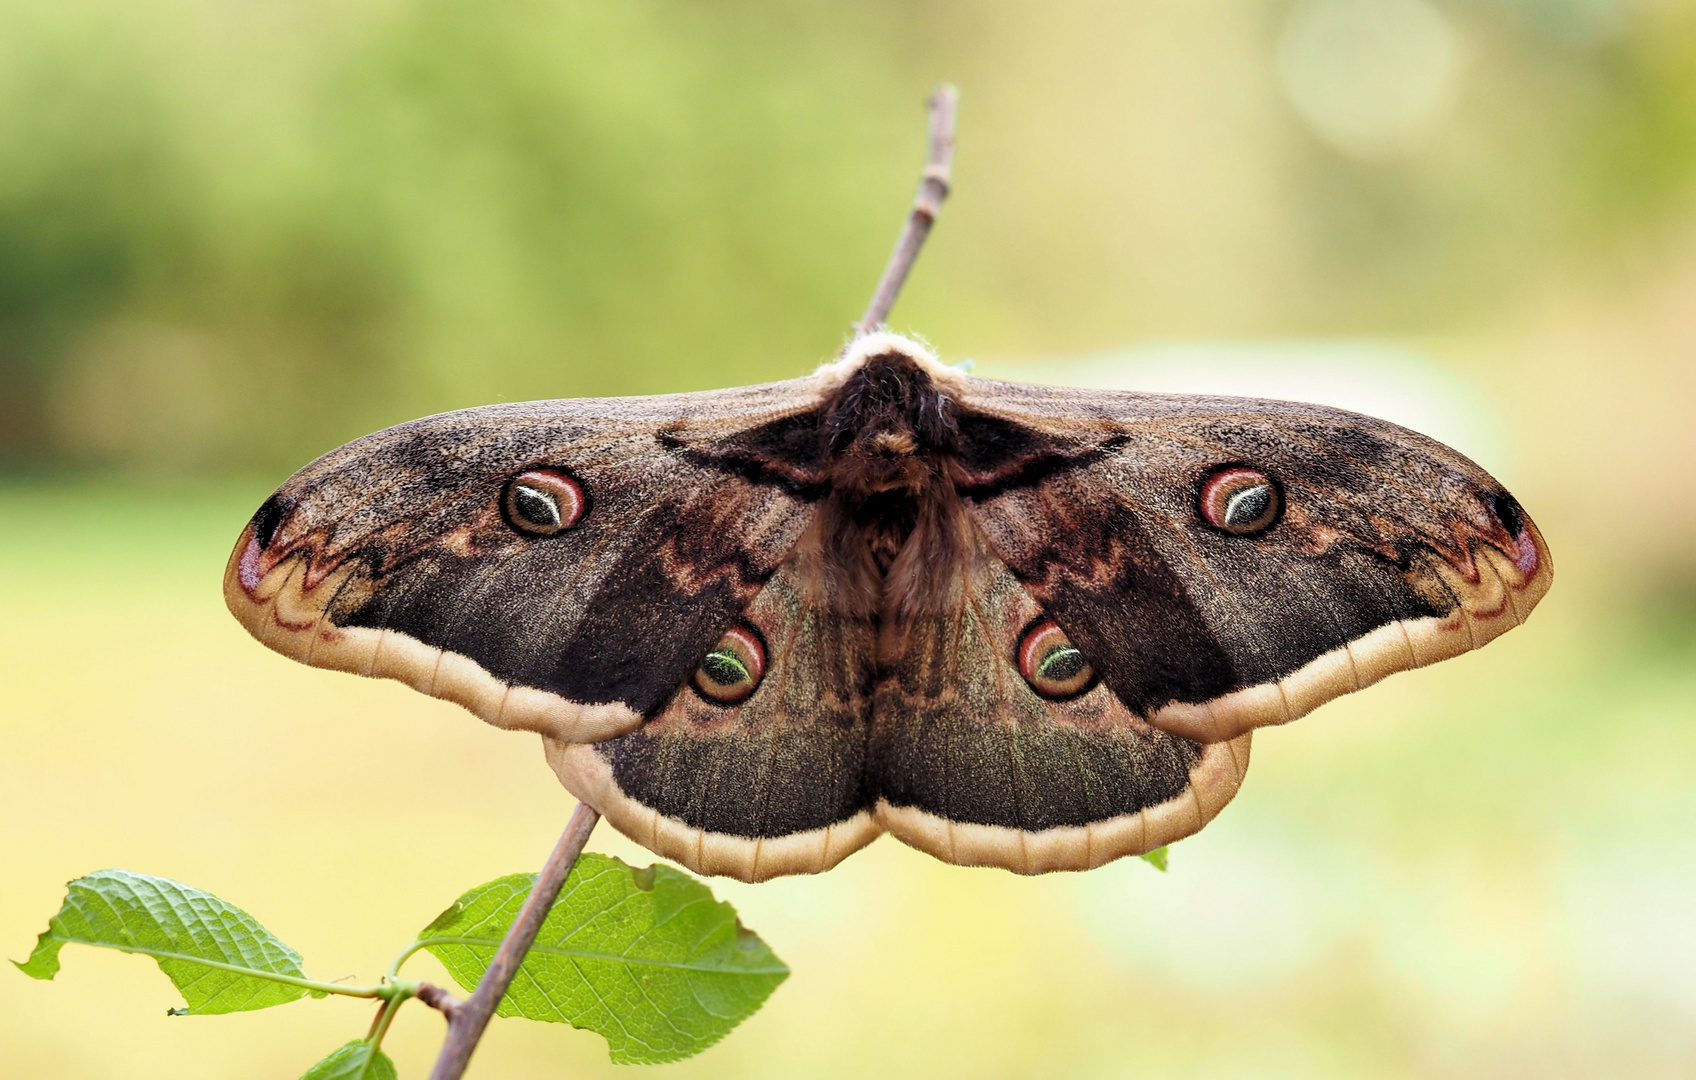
pixel 890 426
pixel 886 426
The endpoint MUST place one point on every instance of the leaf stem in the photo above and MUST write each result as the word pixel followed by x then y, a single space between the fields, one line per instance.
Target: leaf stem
pixel 384 1018
pixel 404 955
pixel 468 1019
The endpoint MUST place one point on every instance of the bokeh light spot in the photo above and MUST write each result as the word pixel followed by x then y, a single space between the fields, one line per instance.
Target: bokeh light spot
pixel 1368 76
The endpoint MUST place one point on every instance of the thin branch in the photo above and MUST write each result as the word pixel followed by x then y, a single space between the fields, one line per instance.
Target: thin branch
pixel 933 188
pixel 437 998
pixel 467 1019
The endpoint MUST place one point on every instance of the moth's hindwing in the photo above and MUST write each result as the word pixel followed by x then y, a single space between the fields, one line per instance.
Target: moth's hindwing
pixel 949 748
pixel 978 759
pixel 773 784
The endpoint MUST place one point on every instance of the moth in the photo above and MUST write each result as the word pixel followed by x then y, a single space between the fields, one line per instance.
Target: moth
pixel 1017 626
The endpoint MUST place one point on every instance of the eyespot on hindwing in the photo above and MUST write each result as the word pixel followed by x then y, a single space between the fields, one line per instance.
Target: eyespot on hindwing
pixel 733 668
pixel 1051 664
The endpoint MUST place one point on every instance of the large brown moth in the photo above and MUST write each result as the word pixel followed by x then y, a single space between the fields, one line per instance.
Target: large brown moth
pixel 1015 626
pixel 1019 626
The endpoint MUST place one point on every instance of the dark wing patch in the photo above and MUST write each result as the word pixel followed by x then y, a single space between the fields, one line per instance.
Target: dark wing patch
pixel 772 785
pixel 1392 550
pixel 392 556
pixel 973 766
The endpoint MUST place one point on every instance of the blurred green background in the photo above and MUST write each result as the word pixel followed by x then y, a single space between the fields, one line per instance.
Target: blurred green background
pixel 234 235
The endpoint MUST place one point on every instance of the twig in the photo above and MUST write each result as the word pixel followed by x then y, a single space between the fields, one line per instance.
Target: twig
pixel 933 188
pixel 468 1018
pixel 437 998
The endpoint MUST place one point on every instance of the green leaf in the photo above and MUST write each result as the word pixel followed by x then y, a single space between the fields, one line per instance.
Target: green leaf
pixel 1156 858
pixel 645 958
pixel 217 954
pixel 358 1060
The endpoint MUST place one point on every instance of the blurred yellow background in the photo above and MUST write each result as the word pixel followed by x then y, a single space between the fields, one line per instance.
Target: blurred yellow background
pixel 234 235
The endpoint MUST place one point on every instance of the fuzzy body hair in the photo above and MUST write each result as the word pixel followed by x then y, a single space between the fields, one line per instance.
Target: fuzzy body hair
pixel 893 528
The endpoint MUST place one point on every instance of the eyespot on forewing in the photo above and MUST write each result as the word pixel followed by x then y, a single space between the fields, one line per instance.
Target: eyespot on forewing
pixel 543 502
pixel 733 668
pixel 1051 664
pixel 1240 500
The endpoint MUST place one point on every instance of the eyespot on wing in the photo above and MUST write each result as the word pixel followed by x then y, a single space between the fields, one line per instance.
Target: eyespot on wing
pixel 1240 500
pixel 1054 667
pixel 733 669
pixel 543 502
